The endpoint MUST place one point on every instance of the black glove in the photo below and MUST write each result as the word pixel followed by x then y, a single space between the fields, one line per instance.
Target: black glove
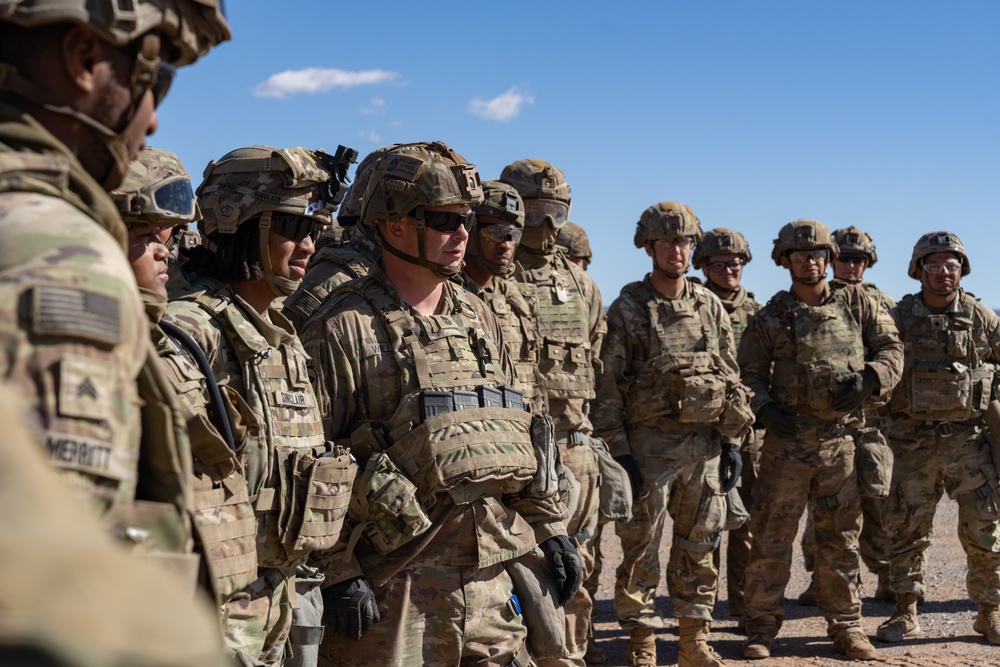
pixel 730 466
pixel 778 420
pixel 564 561
pixel 349 607
pixel 628 462
pixel 857 388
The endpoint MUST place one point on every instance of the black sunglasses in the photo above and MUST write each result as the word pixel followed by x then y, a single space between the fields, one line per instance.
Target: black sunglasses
pixel 295 227
pixel 447 222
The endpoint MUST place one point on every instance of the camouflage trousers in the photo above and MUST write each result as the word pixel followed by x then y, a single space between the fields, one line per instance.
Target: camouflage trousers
pixel 814 470
pixel 691 492
pixel 738 549
pixel 583 528
pixel 438 616
pixel 258 618
pixel 928 461
pixel 874 544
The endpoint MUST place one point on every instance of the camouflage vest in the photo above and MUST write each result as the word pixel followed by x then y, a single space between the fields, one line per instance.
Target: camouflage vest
pixel 945 377
pixel 684 377
pixel 451 432
pixel 566 364
pixel 299 490
pixel 328 268
pixel 827 344
pixel 740 310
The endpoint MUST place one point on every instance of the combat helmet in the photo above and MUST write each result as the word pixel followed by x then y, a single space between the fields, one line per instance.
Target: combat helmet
pixel 263 185
pixel 855 240
pixel 721 241
pixel 156 190
pixel 666 220
pixel 404 180
pixel 933 242
pixel 169 33
pixel 803 234
pixel 573 240
pixel 499 201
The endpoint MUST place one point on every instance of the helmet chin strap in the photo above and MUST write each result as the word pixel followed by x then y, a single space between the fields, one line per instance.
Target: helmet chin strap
pixel 279 286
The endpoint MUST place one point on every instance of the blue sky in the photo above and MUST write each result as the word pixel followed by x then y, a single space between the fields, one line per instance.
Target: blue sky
pixel 879 114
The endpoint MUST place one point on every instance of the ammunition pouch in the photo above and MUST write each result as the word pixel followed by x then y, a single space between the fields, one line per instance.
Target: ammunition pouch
pixel 810 385
pixel 545 483
pixel 544 619
pixel 737 417
pixel 615 487
pixel 224 523
pixel 156 531
pixel 954 393
pixel 385 503
pixel 873 462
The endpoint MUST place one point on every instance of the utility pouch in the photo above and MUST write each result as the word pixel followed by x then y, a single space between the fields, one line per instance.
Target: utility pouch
pixel 544 619
pixel 702 398
pixel 545 483
pixel 615 487
pixel 819 378
pixel 873 461
pixel 737 417
pixel 321 492
pixel 386 503
pixel 938 389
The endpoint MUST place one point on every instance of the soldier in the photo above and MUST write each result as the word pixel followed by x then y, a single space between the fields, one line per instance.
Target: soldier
pixel 670 404
pixel 156 196
pixel 573 242
pixel 570 322
pixel 262 207
pixel 721 256
pixel 811 358
pixel 412 371
pixel 183 241
pixel 857 253
pixel 79 84
pixel 936 432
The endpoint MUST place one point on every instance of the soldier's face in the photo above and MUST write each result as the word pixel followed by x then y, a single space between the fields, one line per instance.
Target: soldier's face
pixel 147 254
pixel 671 255
pixel 496 238
pixel 806 266
pixel 850 266
pixel 945 273
pixel 724 270
pixel 289 256
pixel 444 248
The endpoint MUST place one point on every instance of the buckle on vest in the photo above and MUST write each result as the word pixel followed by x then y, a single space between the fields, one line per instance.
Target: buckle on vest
pixel 945 429
pixel 835 429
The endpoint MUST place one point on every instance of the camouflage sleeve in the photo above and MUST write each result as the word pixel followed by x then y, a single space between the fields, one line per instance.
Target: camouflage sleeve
pixel 754 359
pixel 727 348
pixel 198 324
pixel 991 327
pixel 883 348
pixel 598 323
pixel 608 409
pixel 546 516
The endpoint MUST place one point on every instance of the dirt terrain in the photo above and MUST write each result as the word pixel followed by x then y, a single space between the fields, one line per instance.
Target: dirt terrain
pixel 948 639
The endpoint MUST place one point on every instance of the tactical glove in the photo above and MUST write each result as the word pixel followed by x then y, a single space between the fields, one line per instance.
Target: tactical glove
pixel 778 420
pixel 857 388
pixel 730 466
pixel 564 562
pixel 628 462
pixel 349 607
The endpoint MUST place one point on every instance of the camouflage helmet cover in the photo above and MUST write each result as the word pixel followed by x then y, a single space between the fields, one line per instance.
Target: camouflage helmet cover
pixel 501 201
pixel 721 241
pixel 933 242
pixel 537 179
pixel 854 239
pixel 191 27
pixel 803 234
pixel 248 182
pixel 573 239
pixel 156 190
pixel 666 220
pixel 403 177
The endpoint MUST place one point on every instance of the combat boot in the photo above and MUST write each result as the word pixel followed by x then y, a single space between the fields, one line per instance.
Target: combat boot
pixel 808 597
pixel 693 648
pixel 757 645
pixel 988 623
pixel 855 645
pixel 642 648
pixel 903 622
pixel 595 654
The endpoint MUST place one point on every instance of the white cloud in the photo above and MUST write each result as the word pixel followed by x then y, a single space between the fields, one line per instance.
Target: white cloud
pixel 370 135
pixel 395 123
pixel 503 107
pixel 319 80
pixel 377 107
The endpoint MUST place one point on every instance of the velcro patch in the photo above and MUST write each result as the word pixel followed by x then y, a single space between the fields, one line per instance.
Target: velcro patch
pixel 84 388
pixel 404 167
pixel 293 399
pixel 76 313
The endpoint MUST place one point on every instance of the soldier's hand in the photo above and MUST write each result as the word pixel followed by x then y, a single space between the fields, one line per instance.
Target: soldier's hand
pixel 564 561
pixel 349 607
pixel 778 420
pixel 857 388
pixel 730 466
pixel 631 466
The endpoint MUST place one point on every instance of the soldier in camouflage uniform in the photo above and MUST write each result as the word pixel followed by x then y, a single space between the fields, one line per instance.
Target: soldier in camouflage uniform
pixel 571 324
pixel 721 256
pixel 573 242
pixel 155 196
pixel 857 253
pixel 412 371
pixel 811 358
pixel 74 338
pixel 671 407
pixel 936 432
pixel 262 207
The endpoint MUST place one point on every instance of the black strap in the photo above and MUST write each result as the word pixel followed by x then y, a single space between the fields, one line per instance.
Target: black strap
pixel 214 394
